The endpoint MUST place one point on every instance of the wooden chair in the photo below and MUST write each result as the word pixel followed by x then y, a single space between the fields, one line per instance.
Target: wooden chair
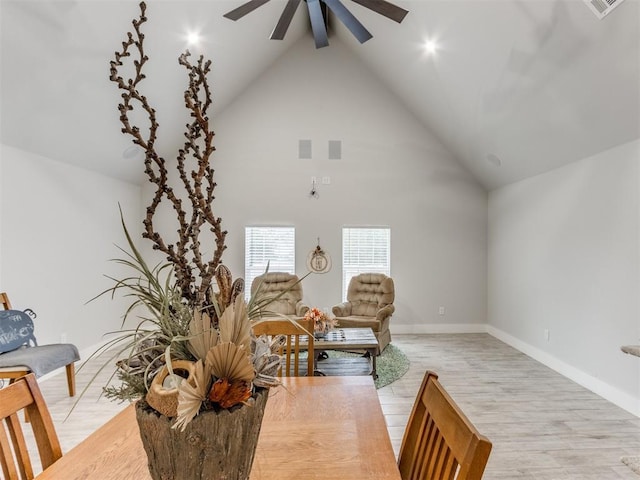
pixel 440 442
pixel 67 355
pixel 25 394
pixel 290 350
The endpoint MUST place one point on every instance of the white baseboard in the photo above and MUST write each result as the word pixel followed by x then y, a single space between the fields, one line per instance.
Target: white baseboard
pixel 597 386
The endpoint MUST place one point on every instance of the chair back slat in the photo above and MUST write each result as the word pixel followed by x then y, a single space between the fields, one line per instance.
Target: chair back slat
pixel 24 393
pixel 9 470
pixel 440 443
pixel 288 357
pixel 21 451
pixel 4 301
pixel 292 330
pixel 433 459
pixel 449 466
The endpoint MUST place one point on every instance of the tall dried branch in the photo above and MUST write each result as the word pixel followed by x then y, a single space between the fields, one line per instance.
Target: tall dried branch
pixel 193 206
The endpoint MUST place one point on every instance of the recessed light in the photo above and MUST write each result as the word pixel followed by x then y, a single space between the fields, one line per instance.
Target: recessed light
pixel 430 46
pixel 193 38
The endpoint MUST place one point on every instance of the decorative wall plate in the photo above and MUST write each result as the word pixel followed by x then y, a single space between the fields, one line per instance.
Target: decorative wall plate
pixel 318 261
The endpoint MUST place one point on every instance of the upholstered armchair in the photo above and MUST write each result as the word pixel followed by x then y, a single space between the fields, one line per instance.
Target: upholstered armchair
pixel 369 304
pixel 272 284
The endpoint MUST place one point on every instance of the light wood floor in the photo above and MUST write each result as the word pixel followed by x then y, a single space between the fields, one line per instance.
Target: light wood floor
pixel 542 425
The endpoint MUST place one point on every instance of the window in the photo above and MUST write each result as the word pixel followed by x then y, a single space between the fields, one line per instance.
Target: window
pixel 364 249
pixel 272 245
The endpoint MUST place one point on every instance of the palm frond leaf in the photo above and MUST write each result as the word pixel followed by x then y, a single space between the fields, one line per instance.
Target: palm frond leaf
pixel 203 337
pixel 191 394
pixel 230 361
pixel 235 326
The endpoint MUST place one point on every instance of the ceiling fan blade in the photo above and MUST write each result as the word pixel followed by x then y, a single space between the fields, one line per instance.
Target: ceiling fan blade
pixel 242 10
pixel 285 20
pixel 317 23
pixel 385 8
pixel 349 21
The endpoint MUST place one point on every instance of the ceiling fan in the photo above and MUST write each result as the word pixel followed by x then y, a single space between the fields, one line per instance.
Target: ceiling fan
pixel 318 15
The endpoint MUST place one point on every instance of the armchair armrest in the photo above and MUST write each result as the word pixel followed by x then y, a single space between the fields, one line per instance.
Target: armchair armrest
pixel 301 309
pixel 342 309
pixel 385 312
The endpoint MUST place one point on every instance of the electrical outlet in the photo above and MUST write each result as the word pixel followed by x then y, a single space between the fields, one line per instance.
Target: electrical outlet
pixel 441 311
pixel 546 334
pixel 63 338
pixel 326 180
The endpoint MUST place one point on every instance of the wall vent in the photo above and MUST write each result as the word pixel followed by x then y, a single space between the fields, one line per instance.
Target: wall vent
pixel 602 8
pixel 304 149
pixel 335 149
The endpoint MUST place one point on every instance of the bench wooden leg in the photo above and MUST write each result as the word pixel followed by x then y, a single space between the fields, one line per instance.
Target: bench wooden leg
pixel 71 379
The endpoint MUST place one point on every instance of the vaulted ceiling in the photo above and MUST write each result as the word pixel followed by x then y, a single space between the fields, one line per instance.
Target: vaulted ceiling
pixel 516 87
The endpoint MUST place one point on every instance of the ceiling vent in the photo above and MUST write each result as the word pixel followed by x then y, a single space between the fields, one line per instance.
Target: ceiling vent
pixel 602 8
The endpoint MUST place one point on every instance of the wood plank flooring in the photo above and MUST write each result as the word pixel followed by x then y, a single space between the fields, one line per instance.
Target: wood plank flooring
pixel 542 425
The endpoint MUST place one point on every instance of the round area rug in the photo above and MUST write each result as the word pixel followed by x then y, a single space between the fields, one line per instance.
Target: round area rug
pixel 391 364
pixel 633 462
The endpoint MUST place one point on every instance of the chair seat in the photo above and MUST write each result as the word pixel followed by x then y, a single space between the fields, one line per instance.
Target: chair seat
pixel 355 321
pixel 41 359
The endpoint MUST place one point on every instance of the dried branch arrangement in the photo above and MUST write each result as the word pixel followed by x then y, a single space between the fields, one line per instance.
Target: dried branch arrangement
pixel 205 332
pixel 195 217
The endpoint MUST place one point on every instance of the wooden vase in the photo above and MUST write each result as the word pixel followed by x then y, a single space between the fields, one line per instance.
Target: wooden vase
pixel 214 445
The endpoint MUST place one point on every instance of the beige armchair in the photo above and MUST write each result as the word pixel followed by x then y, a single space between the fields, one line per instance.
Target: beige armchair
pixel 271 285
pixel 369 304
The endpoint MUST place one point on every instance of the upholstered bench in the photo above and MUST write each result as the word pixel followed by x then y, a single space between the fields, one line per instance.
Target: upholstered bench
pixel 41 360
pixel 16 361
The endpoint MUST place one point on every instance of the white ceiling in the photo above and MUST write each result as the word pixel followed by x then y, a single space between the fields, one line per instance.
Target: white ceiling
pixel 534 83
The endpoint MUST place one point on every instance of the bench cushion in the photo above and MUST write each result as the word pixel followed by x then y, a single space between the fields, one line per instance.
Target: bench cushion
pixel 41 359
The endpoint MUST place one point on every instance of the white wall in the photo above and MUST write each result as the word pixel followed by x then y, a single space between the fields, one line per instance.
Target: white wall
pixel 564 255
pixel 1 209
pixel 393 172
pixel 59 224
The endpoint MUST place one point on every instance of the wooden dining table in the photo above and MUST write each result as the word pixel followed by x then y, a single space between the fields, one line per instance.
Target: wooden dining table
pixel 329 428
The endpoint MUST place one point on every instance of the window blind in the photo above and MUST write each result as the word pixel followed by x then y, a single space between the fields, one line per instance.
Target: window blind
pixel 267 245
pixel 364 250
